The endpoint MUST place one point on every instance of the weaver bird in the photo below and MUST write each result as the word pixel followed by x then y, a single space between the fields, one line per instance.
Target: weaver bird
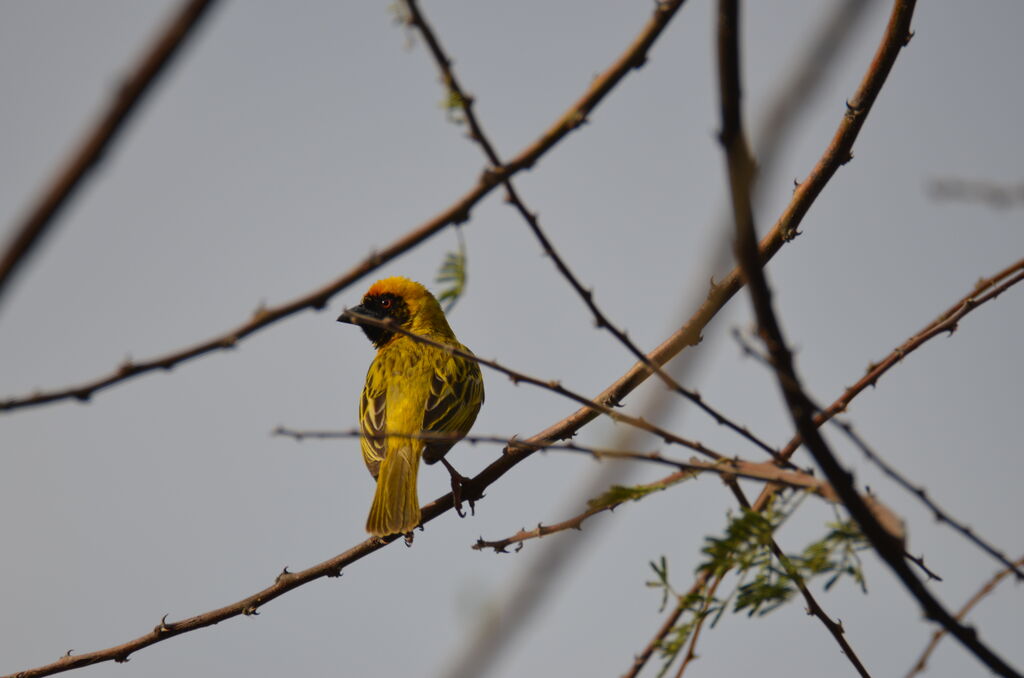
pixel 411 389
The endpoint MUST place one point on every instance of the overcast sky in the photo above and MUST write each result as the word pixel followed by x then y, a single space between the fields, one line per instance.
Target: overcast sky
pixel 290 140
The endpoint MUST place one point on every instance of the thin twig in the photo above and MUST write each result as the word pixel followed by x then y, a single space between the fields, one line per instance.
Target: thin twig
pixel 458 212
pixel 601 320
pixel 97 141
pixel 740 171
pixel 989 586
pixel 765 471
pixel 576 522
pixel 988 193
pixel 939 514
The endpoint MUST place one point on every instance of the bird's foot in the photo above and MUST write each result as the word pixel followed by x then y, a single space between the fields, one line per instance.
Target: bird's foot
pixel 458 482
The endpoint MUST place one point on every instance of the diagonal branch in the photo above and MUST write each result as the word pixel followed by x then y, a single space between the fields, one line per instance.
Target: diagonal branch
pixel 601 320
pixel 986 589
pixel 740 171
pixel 458 212
pixel 97 141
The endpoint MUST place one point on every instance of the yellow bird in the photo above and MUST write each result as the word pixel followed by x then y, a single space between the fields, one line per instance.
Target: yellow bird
pixel 411 388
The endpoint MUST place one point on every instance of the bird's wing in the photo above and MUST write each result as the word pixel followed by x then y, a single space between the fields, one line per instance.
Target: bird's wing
pixel 456 393
pixel 372 418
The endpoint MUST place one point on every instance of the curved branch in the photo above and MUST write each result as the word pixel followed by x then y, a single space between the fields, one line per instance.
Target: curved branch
pixel 458 212
pixel 98 140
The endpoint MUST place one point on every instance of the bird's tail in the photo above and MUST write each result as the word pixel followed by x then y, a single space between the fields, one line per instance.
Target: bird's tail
pixel 396 507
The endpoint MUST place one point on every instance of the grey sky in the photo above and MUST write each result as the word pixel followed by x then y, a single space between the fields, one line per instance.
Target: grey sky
pixel 291 140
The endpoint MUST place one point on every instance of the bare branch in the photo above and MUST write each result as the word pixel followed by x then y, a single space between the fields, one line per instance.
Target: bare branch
pixel 989 586
pixel 576 522
pixel 98 139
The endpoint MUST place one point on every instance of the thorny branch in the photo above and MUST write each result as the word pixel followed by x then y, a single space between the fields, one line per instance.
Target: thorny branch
pixel 740 173
pixel 836 154
pixel 601 320
pixel 988 587
pixel 576 522
pixel 458 212
pixel 727 468
pixel 99 138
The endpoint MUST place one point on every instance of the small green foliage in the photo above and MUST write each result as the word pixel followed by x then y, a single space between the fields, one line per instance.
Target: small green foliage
pixel 620 494
pixel 835 553
pixel 661 570
pixel 763 582
pixel 454 105
pixel 453 275
pixel 743 546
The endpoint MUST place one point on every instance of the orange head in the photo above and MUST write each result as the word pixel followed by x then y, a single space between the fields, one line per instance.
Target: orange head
pixel 406 303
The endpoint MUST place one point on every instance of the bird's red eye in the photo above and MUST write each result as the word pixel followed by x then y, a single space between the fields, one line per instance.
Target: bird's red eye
pixel 385 303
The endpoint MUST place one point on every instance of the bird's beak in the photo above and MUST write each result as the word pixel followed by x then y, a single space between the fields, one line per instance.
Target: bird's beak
pixel 346 316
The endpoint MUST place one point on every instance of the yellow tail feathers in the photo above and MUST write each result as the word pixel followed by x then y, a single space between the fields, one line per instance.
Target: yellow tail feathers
pixel 396 506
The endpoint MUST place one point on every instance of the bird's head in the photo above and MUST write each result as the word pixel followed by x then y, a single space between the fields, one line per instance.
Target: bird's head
pixel 407 303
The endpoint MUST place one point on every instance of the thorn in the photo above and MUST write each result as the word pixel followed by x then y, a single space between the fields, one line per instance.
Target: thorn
pixel 83 395
pixel 408 538
pixel 251 611
pixel 125 367
pixel 163 626
pixel 519 547
pixel 908 38
pixel 68 653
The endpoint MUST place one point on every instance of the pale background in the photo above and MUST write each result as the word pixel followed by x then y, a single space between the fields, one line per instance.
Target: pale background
pixel 292 139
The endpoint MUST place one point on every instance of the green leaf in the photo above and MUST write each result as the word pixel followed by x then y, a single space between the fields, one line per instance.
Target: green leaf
pixel 453 275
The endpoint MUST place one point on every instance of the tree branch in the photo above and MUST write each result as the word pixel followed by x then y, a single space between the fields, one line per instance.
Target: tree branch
pixel 99 138
pixel 989 586
pixel 740 172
